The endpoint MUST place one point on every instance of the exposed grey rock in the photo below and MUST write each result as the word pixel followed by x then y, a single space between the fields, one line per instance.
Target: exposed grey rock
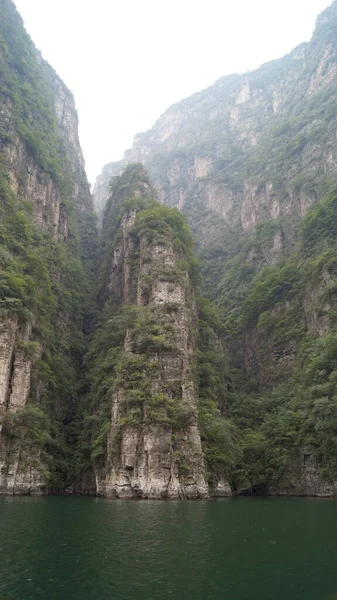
pixel 146 464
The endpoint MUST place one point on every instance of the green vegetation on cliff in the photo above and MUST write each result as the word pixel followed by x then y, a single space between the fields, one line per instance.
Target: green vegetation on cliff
pixel 134 335
pixel 251 161
pixel 291 305
pixel 26 83
pixel 250 157
pixel 43 281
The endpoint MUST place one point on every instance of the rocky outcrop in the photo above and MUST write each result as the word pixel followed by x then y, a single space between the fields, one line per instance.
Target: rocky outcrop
pixel 9 328
pixel 153 447
pixel 30 180
pixel 220 489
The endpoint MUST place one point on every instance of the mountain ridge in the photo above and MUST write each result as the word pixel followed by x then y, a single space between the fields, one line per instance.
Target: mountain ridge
pixel 252 162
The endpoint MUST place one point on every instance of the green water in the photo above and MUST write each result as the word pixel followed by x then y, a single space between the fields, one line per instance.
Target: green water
pixel 86 549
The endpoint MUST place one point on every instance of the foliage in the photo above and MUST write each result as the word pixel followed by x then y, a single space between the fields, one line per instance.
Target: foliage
pixel 319 226
pixel 261 299
pixel 30 422
pixel 46 283
pixel 218 435
pixel 276 426
pixel 134 372
pixel 28 83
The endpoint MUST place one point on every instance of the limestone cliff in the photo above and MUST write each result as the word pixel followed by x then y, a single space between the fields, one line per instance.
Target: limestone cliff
pixel 46 216
pixel 251 147
pixel 252 162
pixel 246 159
pixel 152 445
pixel 101 187
pixel 149 462
pixel 155 408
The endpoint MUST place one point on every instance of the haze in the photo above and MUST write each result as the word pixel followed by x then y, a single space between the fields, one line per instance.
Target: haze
pixel 127 61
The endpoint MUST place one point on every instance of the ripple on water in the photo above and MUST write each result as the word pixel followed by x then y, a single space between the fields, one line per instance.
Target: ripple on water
pixel 85 549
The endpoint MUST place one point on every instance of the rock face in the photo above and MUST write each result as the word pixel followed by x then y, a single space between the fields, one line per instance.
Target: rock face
pixel 42 175
pixel 252 161
pixel 153 446
pixel 8 334
pixel 101 187
pixel 253 150
pixel 205 154
pixel 28 178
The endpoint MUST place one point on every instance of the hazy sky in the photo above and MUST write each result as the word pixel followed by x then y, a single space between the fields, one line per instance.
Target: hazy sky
pixel 126 61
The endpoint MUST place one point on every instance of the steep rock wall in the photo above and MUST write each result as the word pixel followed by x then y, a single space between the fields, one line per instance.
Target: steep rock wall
pixel 153 444
pixel 101 187
pixel 146 438
pixel 251 147
pixel 147 465
pixel 252 161
pixel 43 189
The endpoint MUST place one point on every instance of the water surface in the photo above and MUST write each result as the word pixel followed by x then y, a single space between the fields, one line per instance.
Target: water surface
pixel 86 549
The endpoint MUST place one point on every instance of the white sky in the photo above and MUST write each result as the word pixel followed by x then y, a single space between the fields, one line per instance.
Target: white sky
pixel 126 61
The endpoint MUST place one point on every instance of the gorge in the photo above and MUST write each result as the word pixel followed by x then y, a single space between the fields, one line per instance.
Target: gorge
pixel 175 336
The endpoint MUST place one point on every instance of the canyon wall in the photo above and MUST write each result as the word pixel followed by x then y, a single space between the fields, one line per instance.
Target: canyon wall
pixel 46 215
pixel 251 161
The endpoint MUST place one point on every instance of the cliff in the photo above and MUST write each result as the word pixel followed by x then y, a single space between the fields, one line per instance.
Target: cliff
pixel 251 147
pixel 145 381
pixel 252 163
pixel 138 411
pixel 101 187
pixel 47 238
pixel 117 376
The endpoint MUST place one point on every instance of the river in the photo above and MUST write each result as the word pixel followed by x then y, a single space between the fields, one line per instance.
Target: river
pixel 247 548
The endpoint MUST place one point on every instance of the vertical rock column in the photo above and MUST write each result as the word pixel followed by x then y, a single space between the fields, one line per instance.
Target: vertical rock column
pixel 159 455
